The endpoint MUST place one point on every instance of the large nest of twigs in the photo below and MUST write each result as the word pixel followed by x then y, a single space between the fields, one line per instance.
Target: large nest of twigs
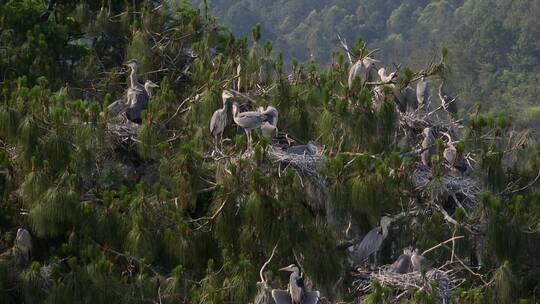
pixel 307 164
pixel 122 131
pixel 464 190
pixel 436 282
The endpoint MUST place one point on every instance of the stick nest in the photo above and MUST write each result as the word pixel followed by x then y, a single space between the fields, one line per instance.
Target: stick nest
pixel 122 131
pixel 436 282
pixel 306 164
pixel 465 190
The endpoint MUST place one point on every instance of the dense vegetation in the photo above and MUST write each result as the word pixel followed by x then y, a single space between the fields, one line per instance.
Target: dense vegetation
pixel 493 44
pixel 165 220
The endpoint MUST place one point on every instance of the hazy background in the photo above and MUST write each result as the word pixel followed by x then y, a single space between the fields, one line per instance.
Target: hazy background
pixel 493 45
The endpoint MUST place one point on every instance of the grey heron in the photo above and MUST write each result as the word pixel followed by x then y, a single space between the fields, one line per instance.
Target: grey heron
pixel 309 149
pixel 362 68
pixel 23 243
pixel 422 93
pixel 428 147
pixel 296 292
pixel 248 120
pixel 448 102
pixel 386 78
pixel 403 263
pixel 218 122
pixel 138 101
pixel 269 128
pixel 134 82
pixel 372 241
pixel 453 157
pixel 418 261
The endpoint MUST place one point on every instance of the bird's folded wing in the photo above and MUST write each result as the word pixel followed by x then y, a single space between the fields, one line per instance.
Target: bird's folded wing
pixel 281 296
pixel 311 297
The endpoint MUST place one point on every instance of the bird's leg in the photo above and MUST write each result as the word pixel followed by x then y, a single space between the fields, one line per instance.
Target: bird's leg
pixel 249 140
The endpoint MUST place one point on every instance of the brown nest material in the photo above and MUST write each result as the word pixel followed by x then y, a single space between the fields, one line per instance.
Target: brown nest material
pixel 122 131
pixel 306 164
pixel 438 282
pixel 465 190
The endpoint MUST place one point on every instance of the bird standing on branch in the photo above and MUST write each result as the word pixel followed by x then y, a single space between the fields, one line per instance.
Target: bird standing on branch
pixel 448 102
pixel 219 119
pixel 362 68
pixel 422 94
pixel 249 120
pixel 428 147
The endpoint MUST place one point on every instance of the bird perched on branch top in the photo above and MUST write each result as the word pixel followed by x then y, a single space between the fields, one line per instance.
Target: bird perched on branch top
pixel 448 102
pixel 386 78
pixel 422 93
pixel 362 68
pixel 296 292
pixel 218 122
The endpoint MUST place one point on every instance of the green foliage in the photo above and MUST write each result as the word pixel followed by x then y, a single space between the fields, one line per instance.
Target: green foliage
pixel 162 220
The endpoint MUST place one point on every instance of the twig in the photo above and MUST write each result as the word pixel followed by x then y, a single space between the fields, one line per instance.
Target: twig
pixel 439 245
pixel 266 264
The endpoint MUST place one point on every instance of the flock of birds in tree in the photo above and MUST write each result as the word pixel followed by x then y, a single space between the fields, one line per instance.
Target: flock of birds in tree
pixel 139 95
pixel 407 99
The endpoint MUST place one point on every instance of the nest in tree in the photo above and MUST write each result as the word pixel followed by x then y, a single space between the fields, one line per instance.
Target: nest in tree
pixel 436 282
pixel 306 164
pixel 122 131
pixel 464 190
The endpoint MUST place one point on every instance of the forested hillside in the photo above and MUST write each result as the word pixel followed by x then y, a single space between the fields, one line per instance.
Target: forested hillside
pixel 149 155
pixel 493 45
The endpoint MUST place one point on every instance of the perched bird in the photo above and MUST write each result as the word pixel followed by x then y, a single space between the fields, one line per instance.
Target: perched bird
pixel 309 149
pixel 134 82
pixel 428 147
pixel 422 94
pixel 453 157
pixel 411 100
pixel 138 101
pixel 23 244
pixel 296 292
pixel 269 128
pixel 448 102
pixel 403 263
pixel 386 78
pixel 248 120
pixel 406 98
pixel 418 261
pixel 362 68
pixel 372 241
pixel 219 118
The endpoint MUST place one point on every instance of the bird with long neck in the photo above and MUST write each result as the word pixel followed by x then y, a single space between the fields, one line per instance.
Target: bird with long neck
pixel 134 82
pixel 218 122
pixel 248 121
pixel 296 292
pixel 269 128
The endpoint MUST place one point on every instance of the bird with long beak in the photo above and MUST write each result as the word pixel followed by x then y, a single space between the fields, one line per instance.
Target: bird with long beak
pixel 296 292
